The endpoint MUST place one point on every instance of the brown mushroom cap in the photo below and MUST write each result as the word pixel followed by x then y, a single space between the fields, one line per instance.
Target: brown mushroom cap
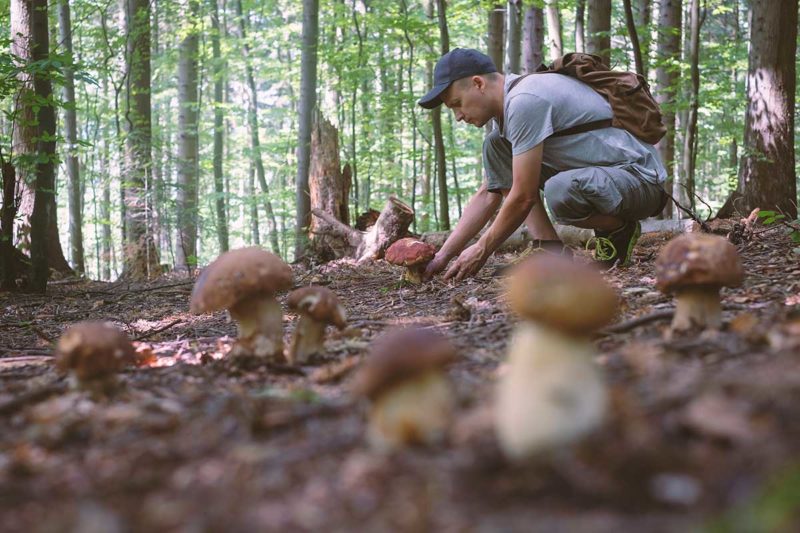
pixel 399 355
pixel 319 303
pixel 410 252
pixel 93 350
pixel 237 275
pixel 562 294
pixel 698 259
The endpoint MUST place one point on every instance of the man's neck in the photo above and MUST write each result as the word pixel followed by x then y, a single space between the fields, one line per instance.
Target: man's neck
pixel 498 99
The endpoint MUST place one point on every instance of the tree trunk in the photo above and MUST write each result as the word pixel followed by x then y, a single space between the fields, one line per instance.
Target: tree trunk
pixel 514 36
pixel 555 41
pixel 255 142
pixel 392 224
pixel 580 34
pixel 141 256
pixel 25 145
pixel 218 72
pixel 533 38
pixel 495 36
pixel 329 188
pixel 186 190
pixel 599 28
pixel 8 266
pixel 667 79
pixel 44 206
pixel 767 173
pixel 690 137
pixel 71 137
pixel 436 118
pixel 642 15
pixel 308 102
pixel 634 36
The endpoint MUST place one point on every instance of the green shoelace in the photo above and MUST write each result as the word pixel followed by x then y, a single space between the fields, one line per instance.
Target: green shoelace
pixel 604 249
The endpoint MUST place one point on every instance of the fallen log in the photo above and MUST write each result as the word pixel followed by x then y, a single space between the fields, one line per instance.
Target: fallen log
pixel 392 224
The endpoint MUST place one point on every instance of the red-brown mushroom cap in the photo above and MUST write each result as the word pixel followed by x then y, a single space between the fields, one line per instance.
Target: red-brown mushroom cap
pixel 562 294
pixel 93 350
pixel 410 252
pixel 319 303
pixel 237 275
pixel 399 355
pixel 698 259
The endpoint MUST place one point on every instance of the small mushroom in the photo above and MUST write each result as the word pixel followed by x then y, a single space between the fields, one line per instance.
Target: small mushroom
pixel 694 267
pixel 412 254
pixel 552 393
pixel 317 307
pixel 91 354
pixel 411 399
pixel 245 282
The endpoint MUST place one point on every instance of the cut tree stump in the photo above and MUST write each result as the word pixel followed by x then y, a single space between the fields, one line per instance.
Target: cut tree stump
pixel 392 224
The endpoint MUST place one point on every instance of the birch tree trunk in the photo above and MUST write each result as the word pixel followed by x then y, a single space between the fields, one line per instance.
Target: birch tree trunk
pixel 599 28
pixel 667 78
pixel 308 102
pixel 71 137
pixel 767 174
pixel 186 191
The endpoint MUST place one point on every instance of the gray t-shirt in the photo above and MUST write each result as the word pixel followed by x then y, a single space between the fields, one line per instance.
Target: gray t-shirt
pixel 545 103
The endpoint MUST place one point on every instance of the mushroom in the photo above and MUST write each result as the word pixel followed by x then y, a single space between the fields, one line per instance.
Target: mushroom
pixel 694 267
pixel 91 353
pixel 552 393
pixel 411 399
pixel 412 254
pixel 317 307
pixel 245 282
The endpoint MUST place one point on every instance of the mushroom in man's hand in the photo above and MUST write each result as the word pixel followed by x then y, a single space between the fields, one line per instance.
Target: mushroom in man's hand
pixel 245 282
pixel 411 399
pixel 317 307
pixel 694 267
pixel 412 254
pixel 92 353
pixel 552 393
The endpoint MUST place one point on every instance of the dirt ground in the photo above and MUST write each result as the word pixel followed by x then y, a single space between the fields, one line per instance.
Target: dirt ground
pixel 704 433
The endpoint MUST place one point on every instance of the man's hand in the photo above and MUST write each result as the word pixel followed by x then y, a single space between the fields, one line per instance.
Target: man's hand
pixel 437 264
pixel 468 263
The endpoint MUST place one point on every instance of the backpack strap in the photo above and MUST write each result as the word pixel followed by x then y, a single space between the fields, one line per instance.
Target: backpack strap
pixel 580 128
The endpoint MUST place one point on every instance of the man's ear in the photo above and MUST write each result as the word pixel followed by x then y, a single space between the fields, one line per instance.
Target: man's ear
pixel 479 82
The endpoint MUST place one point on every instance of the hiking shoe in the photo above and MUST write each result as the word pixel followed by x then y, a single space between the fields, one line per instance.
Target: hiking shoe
pixel 615 247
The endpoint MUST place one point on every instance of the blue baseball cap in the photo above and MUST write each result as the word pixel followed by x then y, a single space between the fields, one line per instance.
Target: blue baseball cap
pixel 456 64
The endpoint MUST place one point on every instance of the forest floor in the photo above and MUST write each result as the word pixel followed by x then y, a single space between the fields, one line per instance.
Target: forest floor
pixel 704 432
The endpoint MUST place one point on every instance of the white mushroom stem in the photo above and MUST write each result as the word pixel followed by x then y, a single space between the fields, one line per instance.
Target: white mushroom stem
pixel 697 306
pixel 308 339
pixel 416 411
pixel 550 395
pixel 260 321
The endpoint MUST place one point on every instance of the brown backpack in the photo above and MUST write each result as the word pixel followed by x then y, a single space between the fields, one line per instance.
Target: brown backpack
pixel 628 93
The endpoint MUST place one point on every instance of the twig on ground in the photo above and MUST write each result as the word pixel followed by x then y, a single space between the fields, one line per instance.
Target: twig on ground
pixel 33 396
pixel 157 330
pixel 637 321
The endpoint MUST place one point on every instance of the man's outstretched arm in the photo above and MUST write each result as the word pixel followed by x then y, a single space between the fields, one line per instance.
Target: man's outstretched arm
pixel 522 197
pixel 477 213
